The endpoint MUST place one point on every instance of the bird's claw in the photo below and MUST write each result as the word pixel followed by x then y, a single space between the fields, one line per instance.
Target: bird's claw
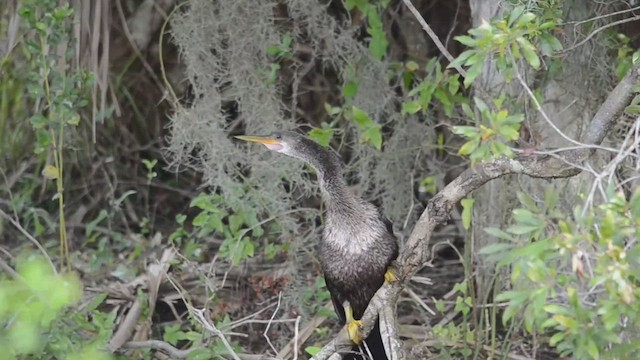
pixel 353 329
pixel 353 325
pixel 390 276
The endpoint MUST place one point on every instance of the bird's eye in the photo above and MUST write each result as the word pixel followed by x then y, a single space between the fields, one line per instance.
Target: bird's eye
pixel 277 135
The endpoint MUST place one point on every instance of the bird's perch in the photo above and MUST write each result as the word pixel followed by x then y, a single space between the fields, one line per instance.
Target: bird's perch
pixel 559 165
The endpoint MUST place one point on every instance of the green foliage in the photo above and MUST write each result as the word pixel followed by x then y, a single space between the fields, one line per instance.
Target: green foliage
pixel 633 109
pixel 322 135
pixel 282 50
pixel 191 337
pixel 495 128
pixel 429 185
pixel 453 333
pixel 57 92
pixel 233 223
pixel 35 317
pixel 509 38
pixel 438 84
pixel 467 211
pixel 370 132
pixel 372 10
pixel 626 56
pixel 316 296
pixel 149 166
pixel 575 277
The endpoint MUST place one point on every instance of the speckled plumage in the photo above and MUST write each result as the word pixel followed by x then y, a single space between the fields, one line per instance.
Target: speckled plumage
pixel 357 245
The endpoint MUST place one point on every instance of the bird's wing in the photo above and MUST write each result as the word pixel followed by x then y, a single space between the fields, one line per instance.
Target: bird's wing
pixel 337 304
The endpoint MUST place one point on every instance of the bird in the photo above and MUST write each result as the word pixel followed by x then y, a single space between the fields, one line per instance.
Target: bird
pixel 357 246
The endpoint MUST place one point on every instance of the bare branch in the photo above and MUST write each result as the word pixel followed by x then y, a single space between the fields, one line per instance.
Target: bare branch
pixel 158 345
pixel 617 100
pixel 433 35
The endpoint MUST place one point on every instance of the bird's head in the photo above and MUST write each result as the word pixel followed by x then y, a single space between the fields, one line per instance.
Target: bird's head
pixel 285 142
pixel 298 146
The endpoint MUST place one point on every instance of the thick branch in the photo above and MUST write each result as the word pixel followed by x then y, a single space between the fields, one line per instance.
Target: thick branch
pixel 617 100
pixel 415 252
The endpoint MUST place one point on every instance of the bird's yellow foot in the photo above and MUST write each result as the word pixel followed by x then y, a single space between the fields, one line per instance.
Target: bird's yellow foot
pixel 390 276
pixel 353 325
pixel 353 328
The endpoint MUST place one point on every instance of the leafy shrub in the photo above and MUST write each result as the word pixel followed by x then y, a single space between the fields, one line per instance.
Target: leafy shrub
pixel 35 318
pixel 576 277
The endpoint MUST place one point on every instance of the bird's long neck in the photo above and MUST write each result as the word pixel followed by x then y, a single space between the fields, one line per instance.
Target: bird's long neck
pixel 335 193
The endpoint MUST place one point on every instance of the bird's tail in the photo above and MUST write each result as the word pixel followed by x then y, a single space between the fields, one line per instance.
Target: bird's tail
pixel 374 349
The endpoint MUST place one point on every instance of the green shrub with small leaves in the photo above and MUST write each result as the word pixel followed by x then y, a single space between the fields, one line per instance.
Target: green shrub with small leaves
pixel 575 276
pixel 36 319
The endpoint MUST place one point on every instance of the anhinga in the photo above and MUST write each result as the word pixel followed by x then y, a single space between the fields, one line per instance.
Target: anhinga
pixel 358 244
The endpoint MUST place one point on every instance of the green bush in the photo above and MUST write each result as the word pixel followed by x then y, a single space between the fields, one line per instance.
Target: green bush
pixel 576 277
pixel 35 318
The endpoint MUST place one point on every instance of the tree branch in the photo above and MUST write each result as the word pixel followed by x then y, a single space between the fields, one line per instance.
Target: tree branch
pixel 415 252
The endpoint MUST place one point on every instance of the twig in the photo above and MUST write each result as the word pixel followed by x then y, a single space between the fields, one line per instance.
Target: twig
pixel 602 16
pixel 433 36
pixel 159 345
pixel 389 332
pixel 266 330
pixel 126 328
pixel 199 314
pixel 295 338
pixel 598 30
pixel 30 237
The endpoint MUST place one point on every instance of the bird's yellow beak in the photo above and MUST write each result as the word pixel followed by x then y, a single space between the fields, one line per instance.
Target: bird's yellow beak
pixel 269 141
pixel 266 140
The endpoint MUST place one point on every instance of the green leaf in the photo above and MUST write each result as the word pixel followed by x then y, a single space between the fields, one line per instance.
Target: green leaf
pixel 632 109
pixel 515 14
pixel 332 110
pixel 556 309
pixel 466 40
pixel 495 248
pixel 529 52
pixel 556 338
pixel 634 204
pixel 467 211
pixel 50 172
pixel 526 18
pixel 411 107
pixel 350 89
pixel 466 131
pixel 235 222
pixel 498 233
pixel 412 66
pixel 480 104
pixel 508 133
pixel 38 121
pixel 522 229
pixel 454 84
pixel 312 350
pixel 472 73
pixel 461 59
pixel 469 147
pixel 361 118
pixel 373 136
pixel 565 321
pixel 468 112
pixel 321 136
pixel 378 43
pixel 96 302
